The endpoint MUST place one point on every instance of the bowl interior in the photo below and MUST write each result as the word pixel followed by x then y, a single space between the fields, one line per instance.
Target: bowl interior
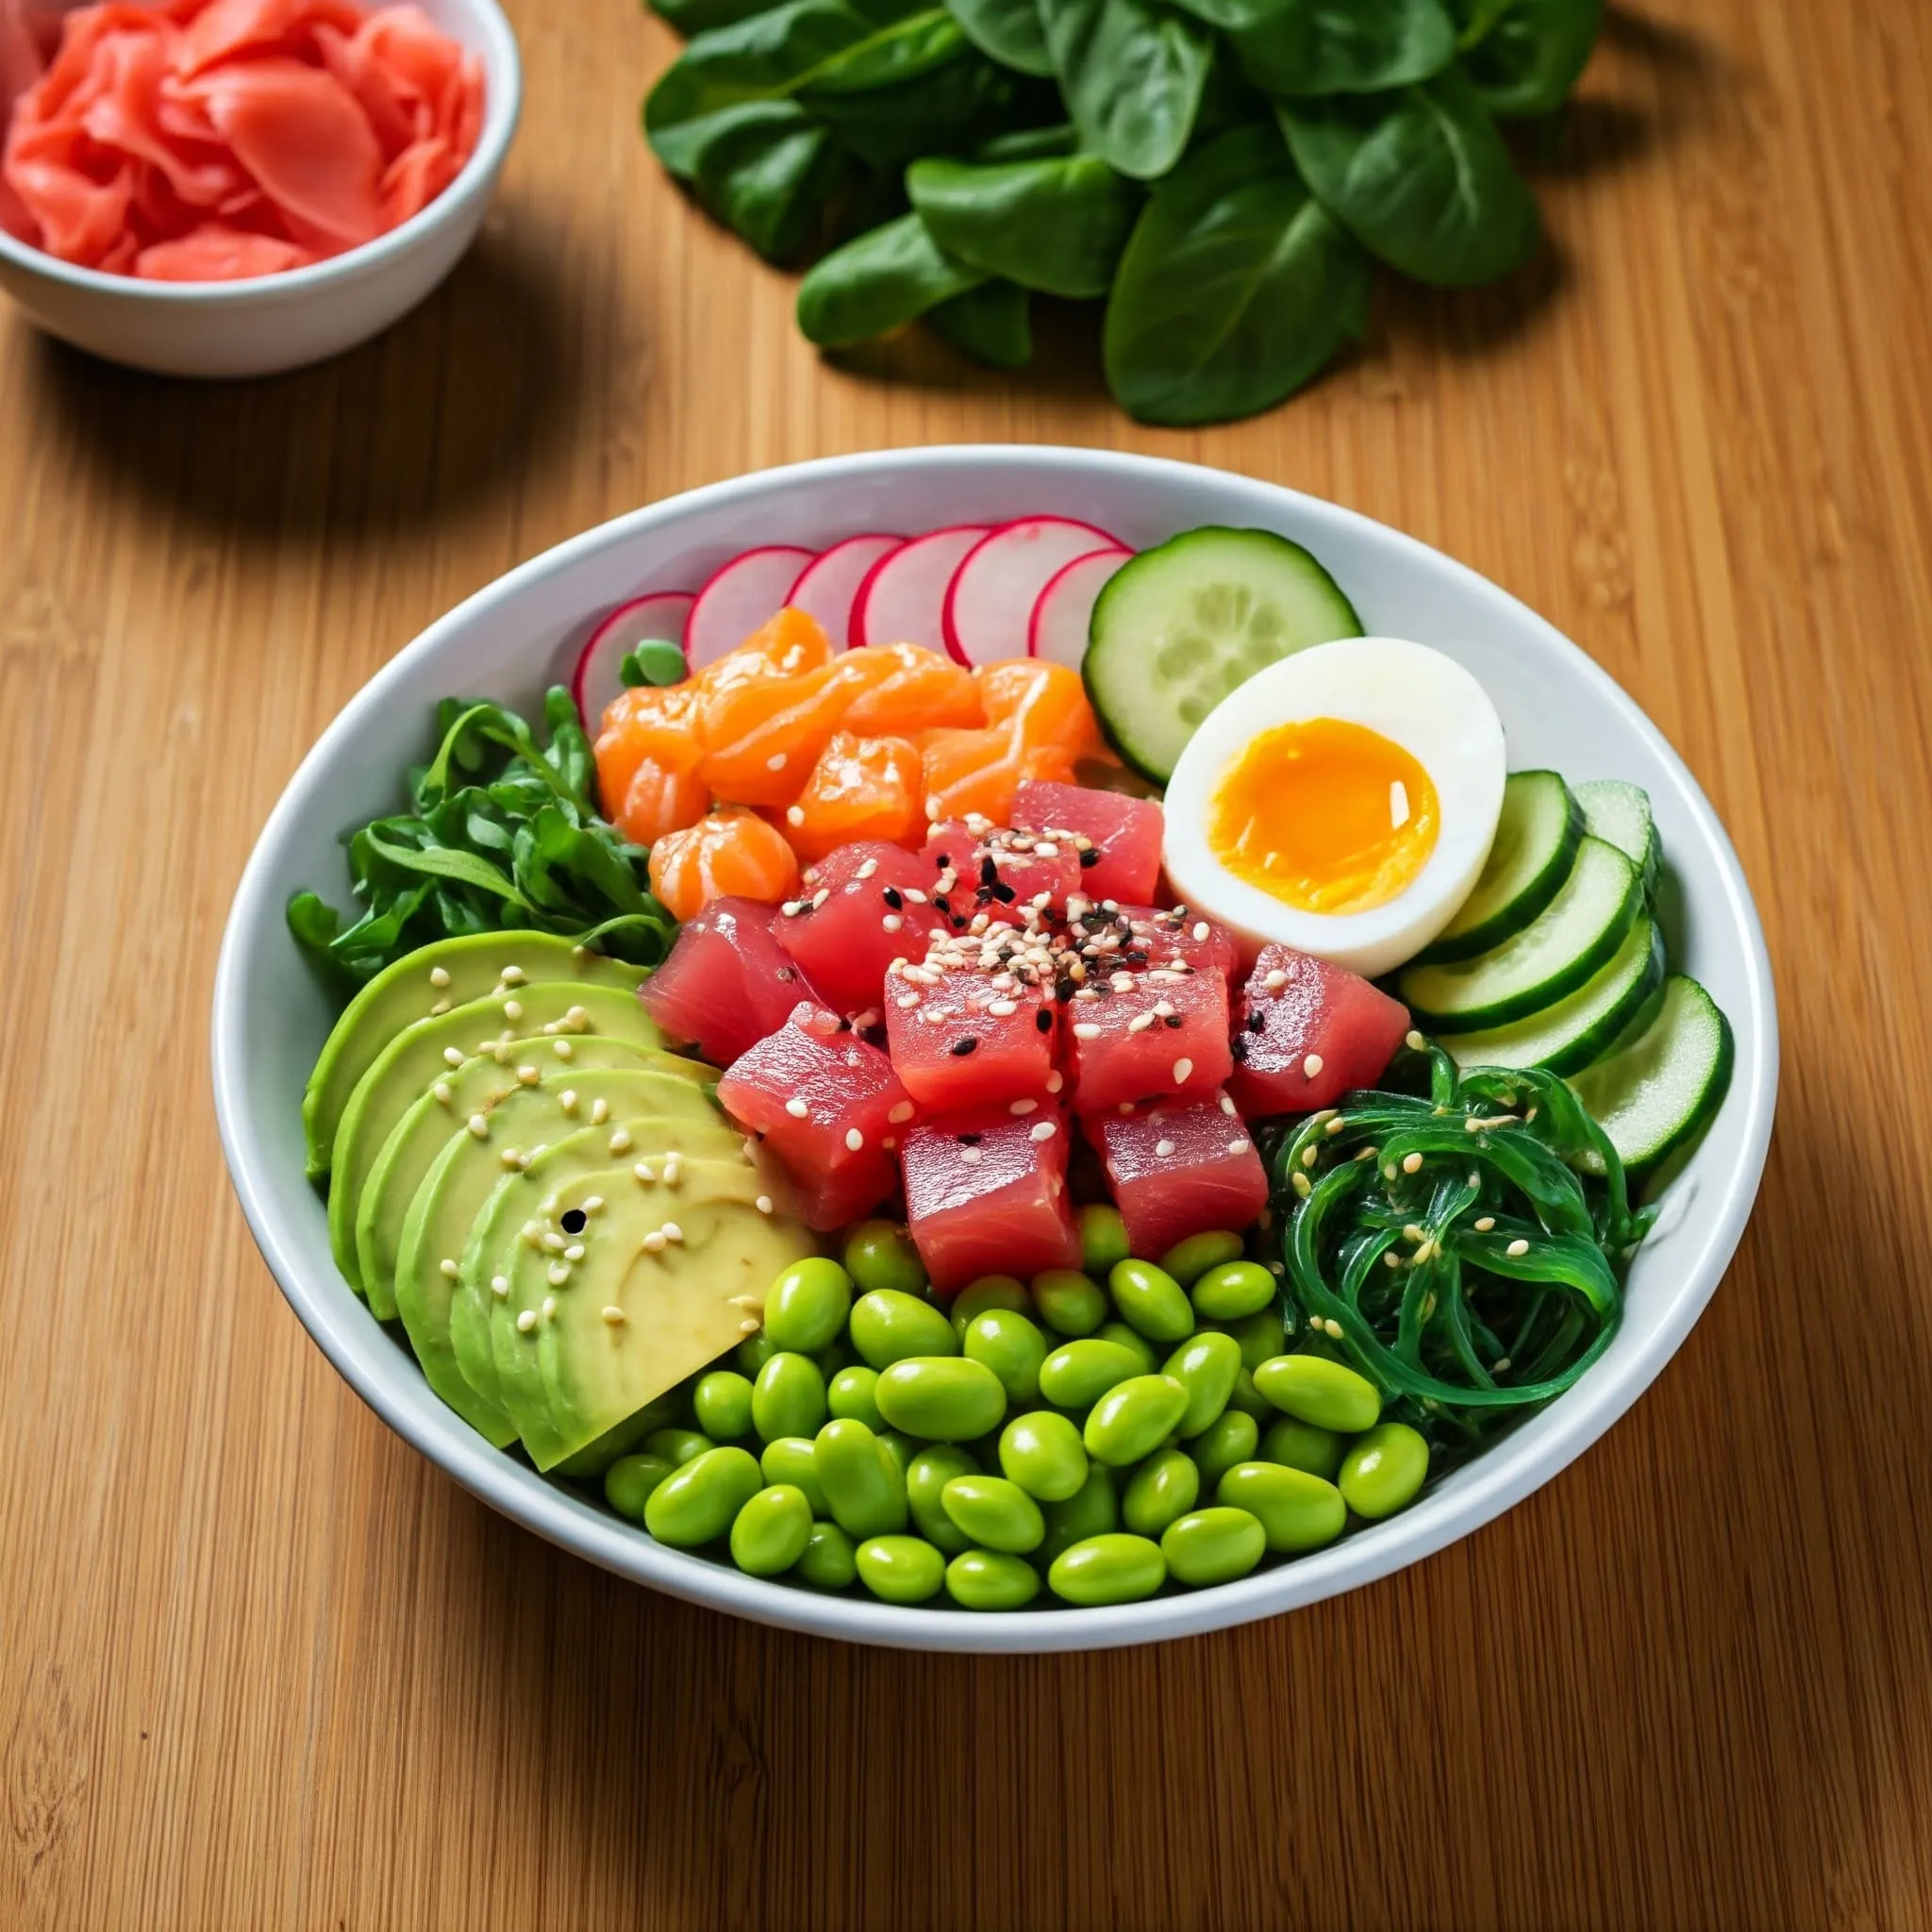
pixel 519 634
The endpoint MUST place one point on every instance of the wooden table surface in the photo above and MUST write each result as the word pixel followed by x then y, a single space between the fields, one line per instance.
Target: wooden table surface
pixel 262 1666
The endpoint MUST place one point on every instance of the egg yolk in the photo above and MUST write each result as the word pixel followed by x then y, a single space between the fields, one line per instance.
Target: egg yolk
pixel 1325 816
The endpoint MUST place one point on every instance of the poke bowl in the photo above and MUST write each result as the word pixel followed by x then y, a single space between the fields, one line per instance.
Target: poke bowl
pixel 1372 1180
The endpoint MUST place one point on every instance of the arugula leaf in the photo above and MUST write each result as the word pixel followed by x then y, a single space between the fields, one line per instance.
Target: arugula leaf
pixel 993 324
pixel 1523 56
pixel 888 277
pixel 1055 225
pixel 1008 31
pixel 1131 72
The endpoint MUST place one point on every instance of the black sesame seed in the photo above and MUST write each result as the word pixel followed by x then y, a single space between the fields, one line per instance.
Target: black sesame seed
pixel 969 1139
pixel 893 898
pixel 843 1026
pixel 945 860
pixel 1239 1046
pixel 786 974
pixel 1090 857
pixel 1257 1023
pixel 1042 1021
pixel 988 871
pixel 573 1221
pixel 941 902
pixel 959 923
pixel 1134 957
pixel 961 1048
pixel 1004 892
pixel 1172 1019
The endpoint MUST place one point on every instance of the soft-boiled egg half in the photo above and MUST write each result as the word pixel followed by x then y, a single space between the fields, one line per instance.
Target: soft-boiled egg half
pixel 1340 802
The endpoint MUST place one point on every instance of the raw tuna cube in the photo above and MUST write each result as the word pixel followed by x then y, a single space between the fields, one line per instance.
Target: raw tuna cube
pixel 986 1193
pixel 999 870
pixel 1145 1033
pixel 866 905
pixel 1174 936
pixel 1180 1168
pixel 1306 1032
pixel 728 983
pixel 1124 832
pixel 962 1038
pixel 828 1106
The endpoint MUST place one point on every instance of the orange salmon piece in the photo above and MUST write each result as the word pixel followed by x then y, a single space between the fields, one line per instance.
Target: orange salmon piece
pixel 659 801
pixel 861 788
pixel 1045 703
pixel 915 691
pixel 762 738
pixel 731 851
pixel 652 722
pixel 783 646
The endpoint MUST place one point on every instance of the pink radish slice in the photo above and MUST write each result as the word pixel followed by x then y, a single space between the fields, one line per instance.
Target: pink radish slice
pixel 1061 616
pixel 596 681
pixel 990 599
pixel 748 591
pixel 830 583
pixel 903 598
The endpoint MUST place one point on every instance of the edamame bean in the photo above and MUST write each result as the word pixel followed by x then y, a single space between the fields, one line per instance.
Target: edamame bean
pixel 754 1351
pixel 864 1487
pixel 828 1561
pixel 1297 1511
pixel 1041 1451
pixel 1212 1546
pixel 721 1403
pixel 1164 1488
pixel 900 1449
pixel 677 1446
pixel 1224 1443
pixel 1248 1399
pixel 1384 1469
pixel 930 1472
pixel 1132 1341
pixel 788 1398
pixel 849 1396
pixel 697 1502
pixel 994 1513
pixel 1069 1302
pixel 629 1480
pixel 1133 1420
pixel 888 1327
pixel 833 1356
pixel 1233 1291
pixel 989 1291
pixel 880 1255
pixel 770 1533
pixel 1188 1260
pixel 1302 1445
pixel 943 1398
pixel 990 1580
pixel 1206 1366
pixel 901 1569
pixel 1262 1336
pixel 1329 1394
pixel 1103 1239
pixel 1092 1510
pixel 1012 1348
pixel 1109 1569
pixel 1151 1300
pixel 1080 1372
pixel 808 1305
pixel 793 1459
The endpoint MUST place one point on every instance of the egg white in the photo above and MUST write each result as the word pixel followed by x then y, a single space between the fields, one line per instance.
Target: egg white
pixel 1414 697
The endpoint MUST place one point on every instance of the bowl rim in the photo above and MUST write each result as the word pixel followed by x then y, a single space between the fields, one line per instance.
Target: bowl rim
pixel 1511 1470
pixel 502 109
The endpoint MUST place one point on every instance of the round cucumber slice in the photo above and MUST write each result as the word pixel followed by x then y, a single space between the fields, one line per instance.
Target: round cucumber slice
pixel 1658 1093
pixel 1619 814
pixel 1180 626
pixel 1535 847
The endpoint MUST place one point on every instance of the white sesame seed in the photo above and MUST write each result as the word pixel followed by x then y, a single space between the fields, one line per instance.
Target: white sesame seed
pixel 529 1076
pixel 1303 1185
pixel 549 1300
pixel 600 1112
pixel 1227 1106
pixel 672 1232
pixel 763 1204
pixel 526 1321
pixel 576 1017
pixel 907 1001
pixel 1485 1222
pixel 562 1049
pixel 853 1139
pixel 1002 1009
pixel 499 1286
pixel 1086 1029
pixel 1163 1148
pixel 653 1241
pixel 567 1100
pixel 614 1315
pixel 892 922
pixel 1276 980
pixel 1042 1130
pixel 1121 982
pixel 776 762
pixel 452 1057
pixel 1182 1069
pixel 439 977
pixel 439 1009
pixel 901 1113
pixel 574 1252
pixel 1139 1023
pixel 1126 1106
pixel 1516 1247
pixel 1412 1163
pixel 1309 1157
pixel 442 1092
pixel 1311 1066
pixel 970 1156
pixel 1201 929
pixel 479 1126
pixel 1022 1107
pixel 513 975
pixel 1423 1254
pixel 1239 1146
pixel 619 1141
pixel 1055 1081
pixel 794 814
pixel 1334 1328
pixel 510 1158
pixel 512 1010
pixel 796 1107
pixel 449 1268
pixel 819 897
pixel 1413 1040
pixel 552 1242
pixel 593 1203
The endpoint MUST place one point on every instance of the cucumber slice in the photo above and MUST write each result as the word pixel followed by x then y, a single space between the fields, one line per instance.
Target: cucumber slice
pixel 1553 956
pixel 1567 1036
pixel 1180 626
pixel 1619 814
pixel 1535 847
pixel 1656 1095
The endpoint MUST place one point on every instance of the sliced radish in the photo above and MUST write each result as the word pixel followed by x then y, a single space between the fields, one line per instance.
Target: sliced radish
pixel 596 679
pixel 1064 612
pixel 828 584
pixel 990 599
pixel 903 598
pixel 748 591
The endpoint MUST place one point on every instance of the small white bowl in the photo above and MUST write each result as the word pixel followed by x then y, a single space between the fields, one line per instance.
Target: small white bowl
pixel 273 322
pixel 522 632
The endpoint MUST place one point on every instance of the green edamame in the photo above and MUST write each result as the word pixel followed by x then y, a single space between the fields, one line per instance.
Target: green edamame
pixel 930 1472
pixel 864 1487
pixel 1092 1510
pixel 1231 1440
pixel 943 1398
pixel 1012 1348
pixel 849 1396
pixel 770 1533
pixel 1163 1488
pixel 888 1326
pixel 677 1446
pixel 1103 1239
pixel 900 1448
pixel 788 1398
pixel 629 1480
pixel 1262 1336
pixel 1302 1445
pixel 994 1513
pixel 721 1404
pixel 1234 1291
pixel 1042 1452
pixel 1107 1569
pixel 1132 1341
pixel 1313 1390
pixel 1132 1421
pixel 1188 1260
pixel 1003 1292
pixel 697 1502
pixel 901 1569
pixel 1077 1374
pixel 1212 1546
pixel 1151 1300
pixel 1248 1399
pixel 1297 1511
pixel 1384 1470
pixel 1069 1302
pixel 880 1255
pixel 1206 1366
pixel 808 1305
pixel 793 1459
pixel 991 1580
pixel 829 1561
pixel 753 1353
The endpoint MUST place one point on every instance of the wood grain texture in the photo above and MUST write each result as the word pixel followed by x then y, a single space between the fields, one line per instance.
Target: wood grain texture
pixel 264 1667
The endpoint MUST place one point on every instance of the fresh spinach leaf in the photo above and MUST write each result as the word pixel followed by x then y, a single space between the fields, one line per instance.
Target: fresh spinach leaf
pixel 1237 287
pixel 1008 31
pixel 1030 144
pixel 1525 55
pixel 1312 47
pixel 992 323
pixel 885 279
pixel 925 91
pixel 767 169
pixel 700 16
pixel 1420 175
pixel 1055 225
pixel 1131 72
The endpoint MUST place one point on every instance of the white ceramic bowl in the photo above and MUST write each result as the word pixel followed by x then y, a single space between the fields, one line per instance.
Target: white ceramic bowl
pixel 273 322
pixel 511 640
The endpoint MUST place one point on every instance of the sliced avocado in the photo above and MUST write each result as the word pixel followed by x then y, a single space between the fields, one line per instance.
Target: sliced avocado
pixel 476 1087
pixel 435 979
pixel 420 1055
pixel 465 1172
